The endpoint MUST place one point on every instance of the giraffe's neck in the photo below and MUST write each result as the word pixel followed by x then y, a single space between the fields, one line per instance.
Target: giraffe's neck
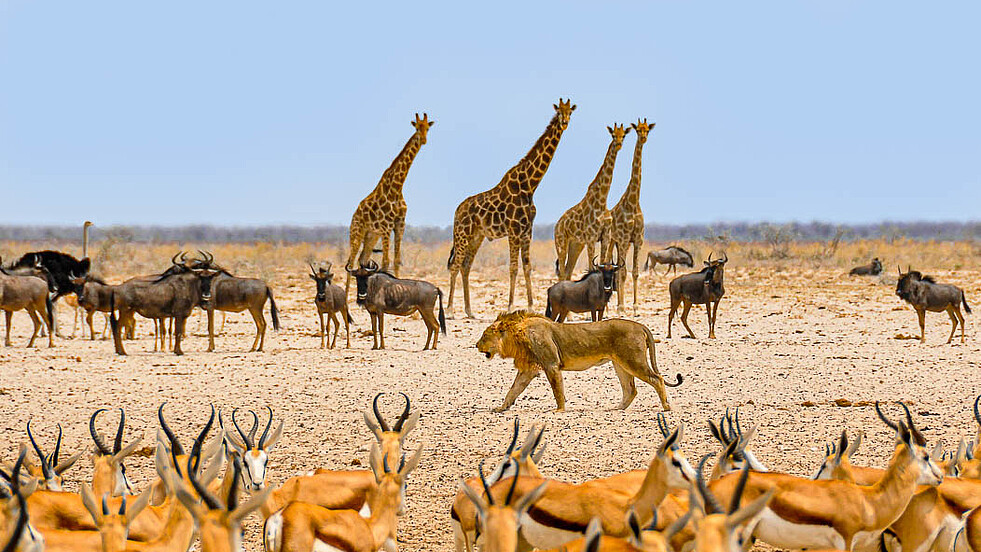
pixel 524 177
pixel 394 176
pixel 631 197
pixel 599 189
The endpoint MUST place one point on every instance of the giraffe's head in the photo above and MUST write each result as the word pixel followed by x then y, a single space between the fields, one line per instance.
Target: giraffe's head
pixel 618 132
pixel 563 112
pixel 642 128
pixel 422 125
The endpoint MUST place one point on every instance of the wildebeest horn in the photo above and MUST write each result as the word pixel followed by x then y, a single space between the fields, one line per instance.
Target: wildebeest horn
pixel 312 270
pixel 347 268
pixel 173 259
pixel 592 262
pixel 381 421
pixel 99 443
pixel 404 416
pixel 899 269
pixel 372 265
pixel 330 265
pixel 710 256
pixel 725 257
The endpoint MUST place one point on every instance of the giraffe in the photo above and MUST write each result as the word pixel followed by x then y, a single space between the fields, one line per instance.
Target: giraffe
pixel 382 212
pixel 627 229
pixel 505 210
pixel 588 221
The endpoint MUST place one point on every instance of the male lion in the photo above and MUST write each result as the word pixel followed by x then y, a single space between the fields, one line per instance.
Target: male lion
pixel 536 343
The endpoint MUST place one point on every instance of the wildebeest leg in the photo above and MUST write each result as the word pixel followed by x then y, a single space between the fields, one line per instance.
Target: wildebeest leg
pixel 708 316
pixel 180 322
pixel 337 327
pixel 627 385
pixel 211 329
pixel 560 315
pixel 37 326
pixel 592 315
pixel 674 309
pixel 222 329
pixel 260 329
pixel 374 330
pixel 953 320
pixel 432 326
pixel 521 380
pixel 88 320
pixel 715 315
pixel 320 315
pixel 961 318
pixel 347 326
pixel 921 314
pixel 8 315
pixel 684 319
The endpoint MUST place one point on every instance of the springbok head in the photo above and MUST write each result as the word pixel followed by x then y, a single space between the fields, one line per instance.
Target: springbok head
pixel 254 454
pixel 719 529
pixel 51 468
pixel 14 490
pixel 735 453
pixel 837 457
pixel 498 523
pixel 391 438
pixel 110 473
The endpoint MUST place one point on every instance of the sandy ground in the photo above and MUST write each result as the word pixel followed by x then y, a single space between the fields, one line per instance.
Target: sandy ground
pixel 791 341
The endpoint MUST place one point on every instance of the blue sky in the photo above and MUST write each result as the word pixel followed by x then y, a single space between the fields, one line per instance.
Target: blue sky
pixel 239 112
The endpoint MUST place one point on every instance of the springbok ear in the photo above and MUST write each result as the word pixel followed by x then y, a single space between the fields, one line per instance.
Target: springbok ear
pixel 409 425
pixel 68 463
pixel 536 457
pixel 594 531
pixel 854 444
pixel 528 499
pixel 937 452
pixel 412 463
pixel 749 511
pixel 276 435
pixel 138 505
pixel 372 426
pixel 375 461
pixel 127 450
pixel 633 524
pixel 252 505
pixel 88 500
pixel 478 501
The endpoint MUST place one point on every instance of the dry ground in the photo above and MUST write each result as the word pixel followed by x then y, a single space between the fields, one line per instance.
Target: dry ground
pixel 794 335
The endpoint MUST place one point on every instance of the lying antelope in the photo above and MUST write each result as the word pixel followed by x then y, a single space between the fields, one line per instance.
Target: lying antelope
pixel 331 299
pixel 564 511
pixel 50 469
pixel 27 293
pixel 925 294
pixel 705 287
pixel 20 534
pixel 254 454
pixel 524 459
pixel 391 438
pixel 646 539
pixel 837 514
pixel 303 527
pixel 109 473
pixel 726 530
pixel 381 293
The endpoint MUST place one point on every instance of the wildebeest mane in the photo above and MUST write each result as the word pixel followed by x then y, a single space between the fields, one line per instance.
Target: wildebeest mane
pixel 590 273
pixel 683 250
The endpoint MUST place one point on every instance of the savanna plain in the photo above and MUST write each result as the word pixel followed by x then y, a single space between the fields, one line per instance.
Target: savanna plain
pixel 803 350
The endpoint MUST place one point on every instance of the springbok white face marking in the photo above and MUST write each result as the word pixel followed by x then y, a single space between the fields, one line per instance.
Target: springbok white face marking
pixel 254 454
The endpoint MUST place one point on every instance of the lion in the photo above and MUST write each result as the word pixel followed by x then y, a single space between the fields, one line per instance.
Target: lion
pixel 538 344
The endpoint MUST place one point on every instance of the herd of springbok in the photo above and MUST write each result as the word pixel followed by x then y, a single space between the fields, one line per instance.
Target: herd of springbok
pixel 924 499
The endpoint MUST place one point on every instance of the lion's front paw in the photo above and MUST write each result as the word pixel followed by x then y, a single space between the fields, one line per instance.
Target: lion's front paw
pixel 499 409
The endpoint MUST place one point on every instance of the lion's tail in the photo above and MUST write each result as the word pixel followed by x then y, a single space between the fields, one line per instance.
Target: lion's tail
pixel 650 351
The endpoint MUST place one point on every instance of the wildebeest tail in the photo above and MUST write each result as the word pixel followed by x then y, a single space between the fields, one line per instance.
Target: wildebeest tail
pixel 112 311
pixel 964 300
pixel 442 317
pixel 273 311
pixel 49 304
pixel 556 267
pixel 647 263
pixel 548 308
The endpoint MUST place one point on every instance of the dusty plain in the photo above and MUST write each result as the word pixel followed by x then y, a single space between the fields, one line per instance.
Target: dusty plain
pixel 802 349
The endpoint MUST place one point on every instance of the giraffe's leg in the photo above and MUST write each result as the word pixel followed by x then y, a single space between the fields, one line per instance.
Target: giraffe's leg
pixel 467 264
pixel 370 240
pixel 561 250
pixel 635 270
pixel 386 243
pixel 398 231
pixel 575 249
pixel 357 237
pixel 458 255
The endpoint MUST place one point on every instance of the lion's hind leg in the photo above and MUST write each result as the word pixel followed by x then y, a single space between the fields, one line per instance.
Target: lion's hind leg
pixel 554 376
pixel 627 385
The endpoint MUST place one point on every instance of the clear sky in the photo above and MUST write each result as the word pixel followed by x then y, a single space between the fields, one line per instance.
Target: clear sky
pixel 241 112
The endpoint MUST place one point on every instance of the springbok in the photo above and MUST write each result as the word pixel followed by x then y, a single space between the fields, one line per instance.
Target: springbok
pixel 671 256
pixel 705 287
pixel 109 473
pixel 925 294
pixel 499 521
pixel 50 469
pixel 303 527
pixel 20 533
pixel 524 458
pixel 254 454
pixel 726 530
pixel 381 293
pixel 330 300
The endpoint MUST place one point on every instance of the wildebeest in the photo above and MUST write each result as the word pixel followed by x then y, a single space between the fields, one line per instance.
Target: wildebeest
pixel 702 287
pixel 172 295
pixel 589 294
pixel 925 294
pixel 60 266
pixel 381 293
pixel 233 294
pixel 93 295
pixel 671 256
pixel 30 293
pixel 872 269
pixel 330 299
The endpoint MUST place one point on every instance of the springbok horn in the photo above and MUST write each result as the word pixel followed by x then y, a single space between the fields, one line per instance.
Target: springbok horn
pixel 514 438
pixel 920 440
pixel 737 494
pixel 662 425
pixel 885 420
pixel 99 443
pixel 203 492
pixel 381 421
pixel 117 443
pixel 712 505
pixel 514 483
pixel 405 414
pixel 57 451
pixel 175 446
pixel 483 481
pixel 199 441
pixel 232 499
pixel 255 425
pixel 265 432
pixel 977 412
pixel 44 464
pixel 245 438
